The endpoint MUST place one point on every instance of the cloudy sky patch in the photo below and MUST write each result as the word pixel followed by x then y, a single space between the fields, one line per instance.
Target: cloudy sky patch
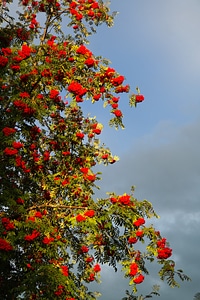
pixel 156 45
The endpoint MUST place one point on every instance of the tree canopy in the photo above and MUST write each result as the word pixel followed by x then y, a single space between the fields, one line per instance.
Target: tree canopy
pixel 54 234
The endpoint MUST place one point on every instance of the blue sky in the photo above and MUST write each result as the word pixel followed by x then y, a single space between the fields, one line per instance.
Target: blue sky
pixel 155 45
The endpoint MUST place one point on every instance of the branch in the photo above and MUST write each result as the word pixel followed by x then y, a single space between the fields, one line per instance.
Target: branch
pixel 56 206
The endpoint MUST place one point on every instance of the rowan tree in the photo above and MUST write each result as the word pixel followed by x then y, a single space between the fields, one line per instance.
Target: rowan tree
pixel 54 234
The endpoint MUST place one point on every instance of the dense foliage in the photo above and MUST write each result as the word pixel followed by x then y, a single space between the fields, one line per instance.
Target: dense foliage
pixel 54 235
